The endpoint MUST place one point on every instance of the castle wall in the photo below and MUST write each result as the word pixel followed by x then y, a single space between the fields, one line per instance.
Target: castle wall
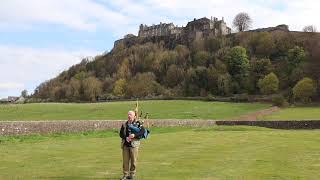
pixel 206 26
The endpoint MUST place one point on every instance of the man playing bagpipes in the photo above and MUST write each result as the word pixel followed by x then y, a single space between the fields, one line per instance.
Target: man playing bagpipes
pixel 131 132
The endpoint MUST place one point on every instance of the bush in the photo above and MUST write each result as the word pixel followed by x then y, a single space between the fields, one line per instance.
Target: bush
pixel 304 90
pixel 240 97
pixel 279 100
pixel 269 84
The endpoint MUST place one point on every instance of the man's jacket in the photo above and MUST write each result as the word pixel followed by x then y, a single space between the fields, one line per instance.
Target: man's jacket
pixel 125 131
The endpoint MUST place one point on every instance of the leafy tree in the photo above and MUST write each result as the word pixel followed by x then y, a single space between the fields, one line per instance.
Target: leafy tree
pixel 304 90
pixel 73 90
pixel 120 88
pixel 224 84
pixel 283 42
pixel 212 44
pixel 92 88
pixel 174 76
pixel 201 58
pixel 124 70
pixel 167 58
pixel 183 55
pixel 259 69
pixel 269 84
pixel 212 75
pixel 238 63
pixel 197 45
pixel 296 55
pixel 108 84
pixel 143 84
pixel 261 44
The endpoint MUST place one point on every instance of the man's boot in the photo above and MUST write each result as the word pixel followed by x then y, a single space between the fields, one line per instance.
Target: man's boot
pixel 124 178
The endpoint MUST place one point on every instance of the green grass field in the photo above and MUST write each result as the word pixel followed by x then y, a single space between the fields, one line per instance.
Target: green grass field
pixel 172 153
pixel 170 109
pixel 295 113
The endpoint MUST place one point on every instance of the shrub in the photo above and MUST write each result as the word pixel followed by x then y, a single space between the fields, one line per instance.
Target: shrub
pixel 269 84
pixel 304 90
pixel 279 100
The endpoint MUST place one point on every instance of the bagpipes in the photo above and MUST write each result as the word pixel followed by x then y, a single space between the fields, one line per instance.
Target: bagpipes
pixel 143 121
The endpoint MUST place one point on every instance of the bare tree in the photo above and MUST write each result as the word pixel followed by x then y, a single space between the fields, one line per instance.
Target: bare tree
pixel 310 28
pixel 242 21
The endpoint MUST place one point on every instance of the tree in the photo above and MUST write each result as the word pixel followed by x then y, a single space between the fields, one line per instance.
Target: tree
pixel 259 69
pixel 124 71
pixel 143 84
pixel 201 58
pixel 283 42
pixel 310 28
pixel 119 88
pixel 174 76
pixel 238 62
pixel 304 90
pixel 92 88
pixel 212 75
pixel 261 44
pixel 224 84
pixel 242 21
pixel 24 93
pixel 296 55
pixel 73 89
pixel 183 55
pixel 269 84
pixel 212 44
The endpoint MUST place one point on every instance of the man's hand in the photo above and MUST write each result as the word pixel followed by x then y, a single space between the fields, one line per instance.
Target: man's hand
pixel 131 136
pixel 128 139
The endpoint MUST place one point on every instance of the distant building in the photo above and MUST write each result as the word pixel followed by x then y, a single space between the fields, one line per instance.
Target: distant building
pixel 12 98
pixel 203 26
pixel 161 29
pixel 197 28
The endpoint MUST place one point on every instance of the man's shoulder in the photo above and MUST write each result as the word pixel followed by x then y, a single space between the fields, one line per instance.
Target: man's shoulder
pixel 124 124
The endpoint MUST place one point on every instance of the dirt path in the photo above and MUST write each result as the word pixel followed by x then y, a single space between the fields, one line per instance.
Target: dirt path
pixel 258 114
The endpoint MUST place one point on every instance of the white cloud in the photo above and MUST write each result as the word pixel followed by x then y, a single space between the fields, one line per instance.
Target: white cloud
pixel 124 16
pixel 10 85
pixel 294 13
pixel 23 67
pixel 76 14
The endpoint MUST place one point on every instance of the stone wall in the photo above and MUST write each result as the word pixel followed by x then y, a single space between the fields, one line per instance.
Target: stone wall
pixel 71 126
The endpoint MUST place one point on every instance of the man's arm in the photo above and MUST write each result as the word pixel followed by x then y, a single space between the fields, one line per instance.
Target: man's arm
pixel 122 134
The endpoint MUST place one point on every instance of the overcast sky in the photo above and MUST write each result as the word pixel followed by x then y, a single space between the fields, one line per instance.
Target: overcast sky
pixel 41 38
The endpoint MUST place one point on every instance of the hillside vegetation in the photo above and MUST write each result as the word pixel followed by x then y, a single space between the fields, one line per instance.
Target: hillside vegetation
pixel 242 63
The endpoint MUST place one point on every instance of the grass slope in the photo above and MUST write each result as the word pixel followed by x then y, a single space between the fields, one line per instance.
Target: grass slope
pixel 295 113
pixel 171 109
pixel 170 153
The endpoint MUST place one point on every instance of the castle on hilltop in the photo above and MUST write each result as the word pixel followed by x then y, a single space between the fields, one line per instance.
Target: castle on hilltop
pixel 196 28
